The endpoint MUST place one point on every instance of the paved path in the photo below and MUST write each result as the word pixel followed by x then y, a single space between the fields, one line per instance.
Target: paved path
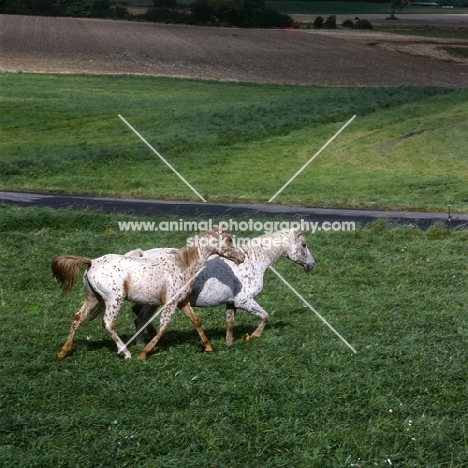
pixel 207 210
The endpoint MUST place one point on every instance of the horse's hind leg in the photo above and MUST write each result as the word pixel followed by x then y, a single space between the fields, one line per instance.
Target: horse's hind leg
pixel 137 310
pixel 230 319
pixel 186 308
pixel 254 308
pixel 112 310
pixel 90 303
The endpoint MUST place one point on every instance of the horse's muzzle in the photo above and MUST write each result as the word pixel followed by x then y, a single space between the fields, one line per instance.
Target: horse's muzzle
pixel 238 261
pixel 238 258
pixel 309 267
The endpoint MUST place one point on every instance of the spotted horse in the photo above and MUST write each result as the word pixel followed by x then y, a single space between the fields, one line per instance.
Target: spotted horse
pixel 165 280
pixel 236 285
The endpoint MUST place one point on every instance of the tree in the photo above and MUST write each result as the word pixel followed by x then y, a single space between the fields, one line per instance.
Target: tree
pixel 76 8
pixel 318 22
pixel 330 22
pixel 224 11
pixel 101 9
pixel 17 7
pixel 30 7
pixel 241 13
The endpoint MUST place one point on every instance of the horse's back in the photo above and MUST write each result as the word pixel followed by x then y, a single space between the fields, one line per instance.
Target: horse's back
pixel 135 278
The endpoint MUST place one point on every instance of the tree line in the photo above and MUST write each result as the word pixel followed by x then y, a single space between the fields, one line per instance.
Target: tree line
pixel 240 13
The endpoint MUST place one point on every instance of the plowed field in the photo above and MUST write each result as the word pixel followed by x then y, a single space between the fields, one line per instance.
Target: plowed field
pixel 338 58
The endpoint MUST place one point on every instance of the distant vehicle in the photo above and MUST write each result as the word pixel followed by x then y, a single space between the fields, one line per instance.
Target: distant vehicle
pixel 425 4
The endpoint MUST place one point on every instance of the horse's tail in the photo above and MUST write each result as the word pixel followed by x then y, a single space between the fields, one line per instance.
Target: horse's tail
pixel 66 269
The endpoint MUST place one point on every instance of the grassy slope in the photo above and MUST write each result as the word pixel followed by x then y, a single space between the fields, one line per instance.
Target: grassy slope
pixel 234 142
pixel 296 397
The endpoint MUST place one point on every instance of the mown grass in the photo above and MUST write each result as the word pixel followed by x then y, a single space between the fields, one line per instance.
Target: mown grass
pixel 235 142
pixel 296 397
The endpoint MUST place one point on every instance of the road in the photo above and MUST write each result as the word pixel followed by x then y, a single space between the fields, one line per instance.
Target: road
pixel 212 210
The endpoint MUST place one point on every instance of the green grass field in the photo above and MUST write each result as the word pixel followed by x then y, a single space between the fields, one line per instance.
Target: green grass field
pixel 235 142
pixel 297 397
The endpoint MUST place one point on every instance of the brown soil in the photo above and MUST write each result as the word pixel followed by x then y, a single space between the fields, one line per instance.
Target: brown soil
pixel 333 58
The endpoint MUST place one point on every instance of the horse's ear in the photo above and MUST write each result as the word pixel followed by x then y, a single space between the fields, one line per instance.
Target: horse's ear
pixel 221 227
pixel 298 231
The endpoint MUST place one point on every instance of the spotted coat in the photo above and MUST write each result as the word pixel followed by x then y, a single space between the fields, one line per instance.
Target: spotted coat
pixel 223 282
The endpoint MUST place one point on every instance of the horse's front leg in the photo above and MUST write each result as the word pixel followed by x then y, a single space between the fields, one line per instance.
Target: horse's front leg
pixel 166 317
pixel 186 308
pixel 112 310
pixel 230 320
pixel 250 305
pixel 139 322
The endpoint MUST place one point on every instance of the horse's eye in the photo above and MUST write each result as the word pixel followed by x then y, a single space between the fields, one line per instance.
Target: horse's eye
pixel 304 245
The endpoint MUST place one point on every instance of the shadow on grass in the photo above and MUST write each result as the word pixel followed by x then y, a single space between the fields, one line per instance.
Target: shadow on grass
pixel 174 338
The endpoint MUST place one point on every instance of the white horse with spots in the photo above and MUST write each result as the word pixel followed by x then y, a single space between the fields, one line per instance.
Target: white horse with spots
pixel 162 280
pixel 222 282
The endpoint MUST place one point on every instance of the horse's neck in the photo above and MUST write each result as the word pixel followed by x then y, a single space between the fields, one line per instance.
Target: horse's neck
pixel 262 258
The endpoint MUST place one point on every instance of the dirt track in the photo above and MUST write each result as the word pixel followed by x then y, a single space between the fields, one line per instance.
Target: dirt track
pixel 337 58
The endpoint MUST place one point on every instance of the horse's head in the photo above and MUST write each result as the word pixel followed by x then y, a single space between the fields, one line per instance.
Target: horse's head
pixel 226 247
pixel 220 242
pixel 297 250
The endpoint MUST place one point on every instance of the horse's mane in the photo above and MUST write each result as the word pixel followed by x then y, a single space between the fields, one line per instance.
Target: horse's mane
pixel 258 248
pixel 188 254
pixel 185 256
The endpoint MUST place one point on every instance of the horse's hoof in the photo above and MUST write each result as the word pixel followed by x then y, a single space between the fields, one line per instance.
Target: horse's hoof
pixel 142 356
pixel 248 337
pixel 209 350
pixel 125 351
pixel 61 355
